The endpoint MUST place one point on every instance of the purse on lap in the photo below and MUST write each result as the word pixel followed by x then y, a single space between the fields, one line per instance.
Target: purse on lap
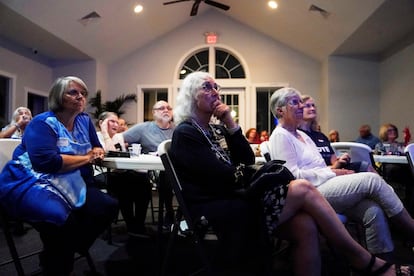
pixel 259 178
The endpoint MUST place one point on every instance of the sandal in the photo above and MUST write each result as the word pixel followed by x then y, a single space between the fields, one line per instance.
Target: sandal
pixel 368 269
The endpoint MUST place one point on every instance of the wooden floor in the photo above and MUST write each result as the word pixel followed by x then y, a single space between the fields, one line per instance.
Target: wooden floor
pixel 135 256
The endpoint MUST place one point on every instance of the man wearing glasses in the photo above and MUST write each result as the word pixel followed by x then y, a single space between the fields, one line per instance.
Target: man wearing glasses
pixel 150 134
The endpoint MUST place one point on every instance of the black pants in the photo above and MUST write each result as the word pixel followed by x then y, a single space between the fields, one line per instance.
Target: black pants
pixel 133 190
pixel 401 173
pixel 240 228
pixel 81 229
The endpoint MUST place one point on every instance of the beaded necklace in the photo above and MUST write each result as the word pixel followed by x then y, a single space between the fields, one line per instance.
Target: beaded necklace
pixel 216 144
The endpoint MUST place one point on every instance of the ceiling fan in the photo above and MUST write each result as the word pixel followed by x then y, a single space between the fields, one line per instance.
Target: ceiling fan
pixel 194 9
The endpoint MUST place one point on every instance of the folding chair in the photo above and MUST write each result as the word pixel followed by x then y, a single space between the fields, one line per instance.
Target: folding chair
pixel 6 151
pixel 357 151
pixel 409 152
pixel 265 150
pixel 194 231
pixel 7 147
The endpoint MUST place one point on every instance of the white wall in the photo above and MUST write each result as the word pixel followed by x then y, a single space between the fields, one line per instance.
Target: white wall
pixel 29 74
pixel 86 70
pixel 267 60
pixel 349 92
pixel 397 90
pixel 353 96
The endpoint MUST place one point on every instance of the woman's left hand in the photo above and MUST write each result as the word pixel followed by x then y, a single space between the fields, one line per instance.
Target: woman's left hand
pixel 223 113
pixel 342 161
pixel 96 154
pixel 104 127
pixel 342 171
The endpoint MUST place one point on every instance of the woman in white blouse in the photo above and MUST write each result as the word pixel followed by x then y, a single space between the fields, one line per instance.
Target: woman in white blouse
pixel 343 189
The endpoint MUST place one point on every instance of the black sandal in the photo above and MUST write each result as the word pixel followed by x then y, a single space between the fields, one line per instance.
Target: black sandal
pixel 368 269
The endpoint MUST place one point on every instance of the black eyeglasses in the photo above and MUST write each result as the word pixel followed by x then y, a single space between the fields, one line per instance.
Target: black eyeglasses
pixel 294 102
pixel 309 105
pixel 74 93
pixel 169 108
pixel 208 87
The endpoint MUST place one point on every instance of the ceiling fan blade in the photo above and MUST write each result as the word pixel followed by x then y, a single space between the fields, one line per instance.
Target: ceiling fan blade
pixel 217 5
pixel 177 1
pixel 194 9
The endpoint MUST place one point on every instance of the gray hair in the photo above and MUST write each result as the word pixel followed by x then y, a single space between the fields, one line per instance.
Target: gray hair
pixel 187 96
pixel 279 98
pixel 16 114
pixel 58 89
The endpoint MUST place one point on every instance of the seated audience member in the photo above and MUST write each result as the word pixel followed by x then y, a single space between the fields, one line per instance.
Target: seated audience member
pixel 366 137
pixel 123 126
pixel 372 217
pixel 150 134
pixel 264 136
pixel 388 144
pixel 131 188
pixel 209 178
pixel 50 179
pixel 333 136
pixel 252 136
pixel 309 125
pixel 20 118
pixel 400 173
pixel 344 189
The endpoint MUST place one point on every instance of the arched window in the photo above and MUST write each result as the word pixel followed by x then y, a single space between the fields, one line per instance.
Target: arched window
pixel 227 66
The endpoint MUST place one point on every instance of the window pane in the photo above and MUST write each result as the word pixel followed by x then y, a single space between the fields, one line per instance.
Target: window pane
pixel 228 66
pixel 5 112
pixel 36 103
pixel 264 118
pixel 197 62
pixel 151 96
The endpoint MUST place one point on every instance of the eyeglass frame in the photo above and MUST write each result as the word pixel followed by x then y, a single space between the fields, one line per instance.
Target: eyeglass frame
pixel 74 93
pixel 207 87
pixel 309 105
pixel 161 108
pixel 294 102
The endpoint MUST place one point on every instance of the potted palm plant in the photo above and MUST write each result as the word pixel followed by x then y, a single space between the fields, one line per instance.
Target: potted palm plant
pixel 112 106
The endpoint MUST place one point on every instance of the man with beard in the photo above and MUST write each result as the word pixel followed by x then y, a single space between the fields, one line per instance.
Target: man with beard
pixel 150 134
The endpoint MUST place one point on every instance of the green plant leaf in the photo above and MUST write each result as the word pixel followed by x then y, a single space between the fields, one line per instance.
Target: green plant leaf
pixel 112 106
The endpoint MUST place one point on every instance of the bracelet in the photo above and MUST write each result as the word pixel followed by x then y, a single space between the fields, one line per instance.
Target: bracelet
pixel 17 126
pixel 231 131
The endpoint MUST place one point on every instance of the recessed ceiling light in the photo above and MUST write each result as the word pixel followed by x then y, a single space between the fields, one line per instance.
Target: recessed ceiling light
pixel 272 4
pixel 138 8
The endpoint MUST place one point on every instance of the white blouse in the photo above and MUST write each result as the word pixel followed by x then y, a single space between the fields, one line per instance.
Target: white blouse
pixel 302 158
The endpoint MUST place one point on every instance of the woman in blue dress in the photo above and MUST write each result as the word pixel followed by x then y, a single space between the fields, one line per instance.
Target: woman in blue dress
pixel 49 181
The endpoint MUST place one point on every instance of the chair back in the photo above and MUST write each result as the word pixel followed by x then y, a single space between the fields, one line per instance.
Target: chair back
pixel 409 152
pixel 7 146
pixel 357 151
pixel 265 150
pixel 183 216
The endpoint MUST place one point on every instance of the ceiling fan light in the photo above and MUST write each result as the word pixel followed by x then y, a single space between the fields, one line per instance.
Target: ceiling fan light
pixel 272 4
pixel 138 8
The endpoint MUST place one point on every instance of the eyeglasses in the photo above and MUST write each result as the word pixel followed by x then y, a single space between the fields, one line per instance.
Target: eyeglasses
pixel 309 105
pixel 208 87
pixel 74 93
pixel 391 130
pixel 169 108
pixel 294 102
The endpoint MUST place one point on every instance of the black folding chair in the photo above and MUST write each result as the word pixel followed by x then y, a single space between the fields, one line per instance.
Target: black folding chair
pixel 194 231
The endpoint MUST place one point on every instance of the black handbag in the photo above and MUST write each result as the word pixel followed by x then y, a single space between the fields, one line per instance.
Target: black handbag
pixel 259 178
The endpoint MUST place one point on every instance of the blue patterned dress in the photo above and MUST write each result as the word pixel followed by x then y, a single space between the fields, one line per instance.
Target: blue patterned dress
pixel 31 186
